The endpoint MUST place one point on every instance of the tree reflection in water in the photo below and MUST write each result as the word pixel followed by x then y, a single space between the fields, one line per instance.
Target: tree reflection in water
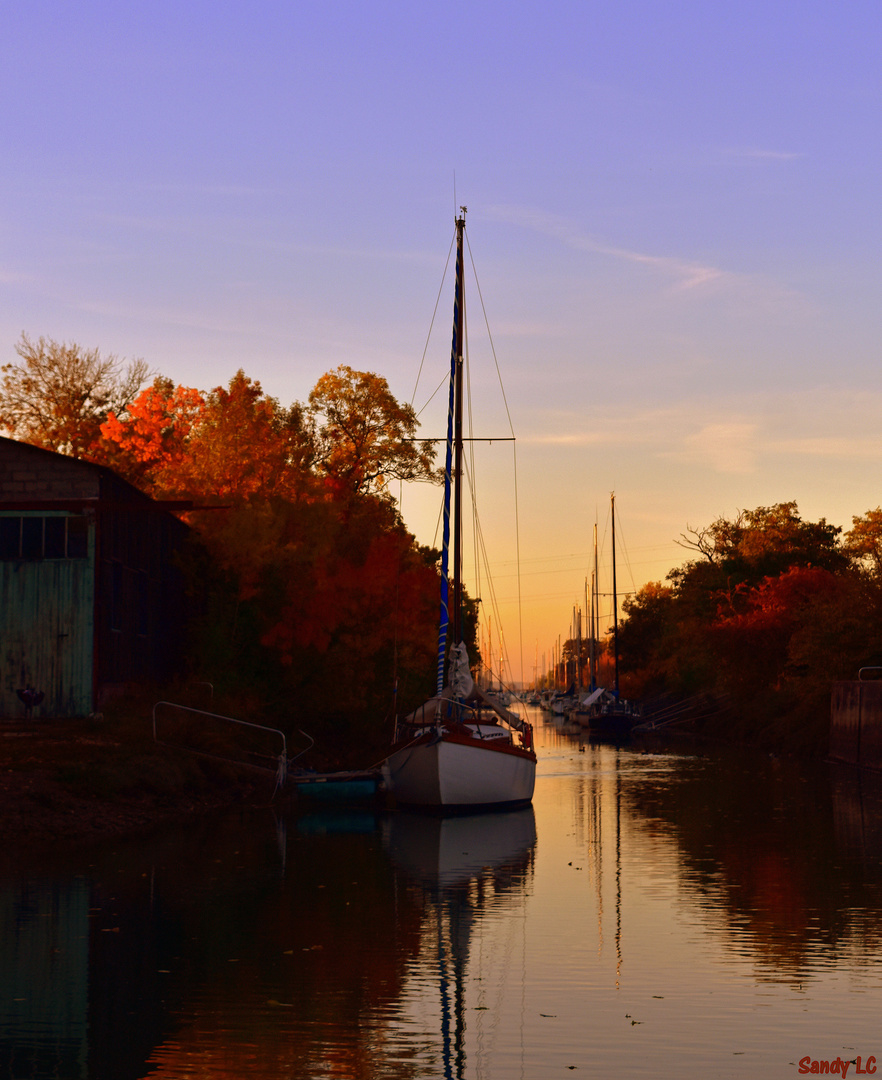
pixel 669 891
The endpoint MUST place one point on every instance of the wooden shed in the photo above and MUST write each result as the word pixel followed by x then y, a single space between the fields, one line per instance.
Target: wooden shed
pixel 91 591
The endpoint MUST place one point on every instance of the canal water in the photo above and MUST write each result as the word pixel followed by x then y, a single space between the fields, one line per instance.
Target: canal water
pixel 655 913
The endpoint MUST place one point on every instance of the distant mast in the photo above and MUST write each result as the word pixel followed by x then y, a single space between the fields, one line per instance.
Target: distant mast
pixel 615 597
pixel 594 614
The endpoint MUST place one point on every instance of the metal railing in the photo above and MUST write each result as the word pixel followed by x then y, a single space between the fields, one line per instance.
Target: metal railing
pixel 281 760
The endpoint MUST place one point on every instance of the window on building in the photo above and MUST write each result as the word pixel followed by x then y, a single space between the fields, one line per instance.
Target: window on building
pixel 10 537
pixel 54 530
pixel 33 537
pixel 77 538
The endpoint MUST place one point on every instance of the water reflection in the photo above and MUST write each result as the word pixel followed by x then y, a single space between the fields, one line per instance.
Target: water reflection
pixel 307 954
pixel 44 976
pixel 771 847
pixel 627 924
pixel 465 868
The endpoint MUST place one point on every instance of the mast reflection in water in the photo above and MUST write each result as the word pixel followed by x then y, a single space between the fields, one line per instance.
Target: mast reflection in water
pixel 467 869
pixel 653 915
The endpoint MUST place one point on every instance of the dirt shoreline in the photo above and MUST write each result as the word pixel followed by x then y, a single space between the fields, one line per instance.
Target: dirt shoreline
pixel 66 782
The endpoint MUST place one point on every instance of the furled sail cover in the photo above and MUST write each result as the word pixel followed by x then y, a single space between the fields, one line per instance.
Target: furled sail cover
pixel 461 681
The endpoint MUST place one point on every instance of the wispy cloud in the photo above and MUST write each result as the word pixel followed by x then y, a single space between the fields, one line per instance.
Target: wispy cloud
pixel 741 439
pixel 570 438
pixel 763 155
pixel 726 447
pixel 182 318
pixel 12 277
pixel 684 276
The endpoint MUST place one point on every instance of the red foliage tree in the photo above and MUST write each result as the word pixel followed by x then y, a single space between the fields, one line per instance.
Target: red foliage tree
pixel 150 443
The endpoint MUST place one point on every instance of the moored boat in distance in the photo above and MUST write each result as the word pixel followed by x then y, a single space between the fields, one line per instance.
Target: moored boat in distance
pixel 606 716
pixel 462 749
pixel 603 712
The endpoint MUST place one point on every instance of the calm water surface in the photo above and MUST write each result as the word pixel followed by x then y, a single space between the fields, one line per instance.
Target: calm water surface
pixel 654 914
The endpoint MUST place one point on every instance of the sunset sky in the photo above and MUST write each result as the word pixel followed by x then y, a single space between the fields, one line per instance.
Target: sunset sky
pixel 674 213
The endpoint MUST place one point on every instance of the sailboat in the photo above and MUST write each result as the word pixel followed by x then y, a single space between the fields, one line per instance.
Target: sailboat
pixel 603 711
pixel 462 749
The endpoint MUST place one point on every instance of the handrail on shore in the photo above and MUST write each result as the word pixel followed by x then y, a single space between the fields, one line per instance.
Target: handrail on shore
pixel 281 760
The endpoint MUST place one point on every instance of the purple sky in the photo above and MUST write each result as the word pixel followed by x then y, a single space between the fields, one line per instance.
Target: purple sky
pixel 673 211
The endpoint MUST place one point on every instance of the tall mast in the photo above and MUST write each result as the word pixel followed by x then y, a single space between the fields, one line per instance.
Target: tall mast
pixel 577 617
pixel 615 598
pixel 457 361
pixel 594 614
pixel 452 621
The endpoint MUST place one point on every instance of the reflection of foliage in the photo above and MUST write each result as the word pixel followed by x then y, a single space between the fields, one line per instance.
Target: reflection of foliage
pixel 758 840
pixel 308 926
pixel 773 610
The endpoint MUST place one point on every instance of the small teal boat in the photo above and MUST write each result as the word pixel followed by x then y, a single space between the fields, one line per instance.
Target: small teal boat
pixel 339 787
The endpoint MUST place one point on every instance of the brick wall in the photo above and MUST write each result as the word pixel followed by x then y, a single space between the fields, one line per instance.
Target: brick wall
pixel 28 473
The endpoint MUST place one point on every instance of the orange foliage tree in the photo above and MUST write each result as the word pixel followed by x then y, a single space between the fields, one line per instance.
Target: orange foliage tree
pixel 149 444
pixel 311 596
pixel 231 443
pixel 771 610
pixel 321 605
pixel 365 438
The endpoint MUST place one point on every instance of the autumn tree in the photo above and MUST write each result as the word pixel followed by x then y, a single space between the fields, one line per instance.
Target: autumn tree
pixel 645 635
pixel 729 619
pixel 364 436
pixel 767 540
pixel 317 611
pixel 304 576
pixel 235 442
pixel 863 542
pixel 58 395
pixel 148 443
pixel 752 643
pixel 245 445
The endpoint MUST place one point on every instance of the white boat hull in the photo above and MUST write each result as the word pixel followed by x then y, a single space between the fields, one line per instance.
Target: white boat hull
pixel 454 770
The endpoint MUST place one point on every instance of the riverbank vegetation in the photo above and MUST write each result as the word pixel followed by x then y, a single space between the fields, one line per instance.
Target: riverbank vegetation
pixel 768 612
pixel 311 603
pixel 314 608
